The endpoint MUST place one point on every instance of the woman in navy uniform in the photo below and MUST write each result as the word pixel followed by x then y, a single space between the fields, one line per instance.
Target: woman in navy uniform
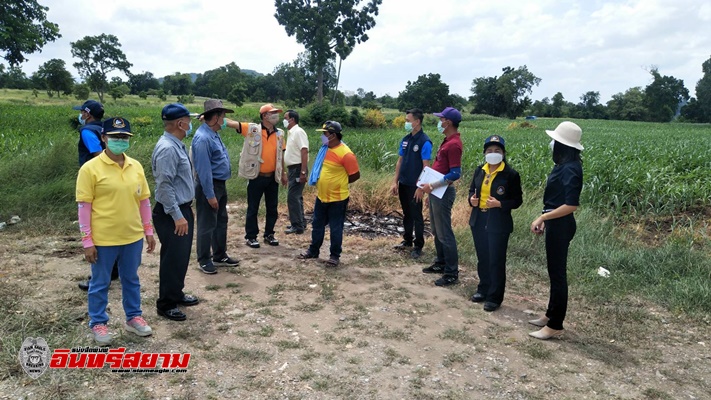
pixel 495 191
pixel 560 200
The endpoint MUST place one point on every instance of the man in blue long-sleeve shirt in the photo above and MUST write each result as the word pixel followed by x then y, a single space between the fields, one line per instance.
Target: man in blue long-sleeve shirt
pixel 212 169
pixel 172 215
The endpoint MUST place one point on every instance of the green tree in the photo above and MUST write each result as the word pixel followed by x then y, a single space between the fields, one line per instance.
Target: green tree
pixel 628 106
pixel 99 55
pixel 81 91
pixel 143 82
pixel 15 78
pixel 505 95
pixel 541 108
pixel 219 82
pixel 326 28
pixel 590 107
pixel 178 84
pixel 557 105
pixel 485 98
pixel 24 29
pixel 703 93
pixel 427 93
pixel 663 96
pixel 56 77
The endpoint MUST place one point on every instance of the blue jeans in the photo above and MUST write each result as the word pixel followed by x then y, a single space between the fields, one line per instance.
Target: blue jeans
pixel 333 214
pixel 441 221
pixel 129 258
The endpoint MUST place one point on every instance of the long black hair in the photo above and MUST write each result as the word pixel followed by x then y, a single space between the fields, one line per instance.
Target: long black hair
pixel 563 153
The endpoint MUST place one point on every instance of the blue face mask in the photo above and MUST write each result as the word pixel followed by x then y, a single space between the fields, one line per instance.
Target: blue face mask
pixel 82 121
pixel 118 146
pixel 224 123
pixel 190 130
pixel 324 139
pixel 408 127
pixel 440 128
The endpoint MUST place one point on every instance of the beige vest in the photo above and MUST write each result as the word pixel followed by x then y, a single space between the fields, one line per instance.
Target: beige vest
pixel 250 158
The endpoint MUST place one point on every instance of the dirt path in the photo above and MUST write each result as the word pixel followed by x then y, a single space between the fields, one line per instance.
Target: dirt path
pixel 375 327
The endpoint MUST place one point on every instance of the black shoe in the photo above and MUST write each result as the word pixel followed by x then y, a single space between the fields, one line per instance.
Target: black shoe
pixel 188 300
pixel 292 229
pixel 416 252
pixel 225 261
pixel 253 243
pixel 404 245
pixel 490 306
pixel 271 240
pixel 307 255
pixel 84 285
pixel 208 268
pixel 447 280
pixel 478 297
pixel 435 268
pixel 173 314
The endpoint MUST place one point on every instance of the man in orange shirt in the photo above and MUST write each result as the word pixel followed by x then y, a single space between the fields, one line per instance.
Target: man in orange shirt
pixel 334 169
pixel 263 148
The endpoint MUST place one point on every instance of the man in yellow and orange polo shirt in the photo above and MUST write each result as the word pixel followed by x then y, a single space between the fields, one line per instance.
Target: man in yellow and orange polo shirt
pixel 267 143
pixel 334 168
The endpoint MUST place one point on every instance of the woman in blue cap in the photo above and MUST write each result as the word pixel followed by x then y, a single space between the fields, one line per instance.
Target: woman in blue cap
pixel 495 191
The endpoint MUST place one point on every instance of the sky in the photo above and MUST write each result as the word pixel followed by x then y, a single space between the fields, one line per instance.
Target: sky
pixel 573 46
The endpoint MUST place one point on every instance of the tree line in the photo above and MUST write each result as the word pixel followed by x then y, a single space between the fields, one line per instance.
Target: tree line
pixel 329 30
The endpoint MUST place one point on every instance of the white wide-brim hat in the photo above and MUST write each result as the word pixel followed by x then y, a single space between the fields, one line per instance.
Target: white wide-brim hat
pixel 567 133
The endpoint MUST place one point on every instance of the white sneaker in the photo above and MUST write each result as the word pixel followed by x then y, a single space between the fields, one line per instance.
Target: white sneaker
pixel 101 334
pixel 138 326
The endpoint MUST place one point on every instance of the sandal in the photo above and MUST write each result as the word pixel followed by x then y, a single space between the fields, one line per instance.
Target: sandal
pixel 333 262
pixel 306 255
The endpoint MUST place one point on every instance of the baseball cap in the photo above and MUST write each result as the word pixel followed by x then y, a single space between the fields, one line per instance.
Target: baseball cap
pixel 269 108
pixel 117 125
pixel 495 140
pixel 174 111
pixel 451 114
pixel 93 107
pixel 330 127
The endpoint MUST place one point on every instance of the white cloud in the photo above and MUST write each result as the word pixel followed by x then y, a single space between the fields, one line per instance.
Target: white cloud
pixel 574 46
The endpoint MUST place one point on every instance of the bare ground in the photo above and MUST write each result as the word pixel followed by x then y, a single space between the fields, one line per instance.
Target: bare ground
pixel 375 327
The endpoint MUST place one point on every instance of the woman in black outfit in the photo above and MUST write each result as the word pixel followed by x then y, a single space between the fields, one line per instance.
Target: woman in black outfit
pixel 560 200
pixel 495 191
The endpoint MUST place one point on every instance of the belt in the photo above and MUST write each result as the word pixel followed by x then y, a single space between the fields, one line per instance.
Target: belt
pixel 266 174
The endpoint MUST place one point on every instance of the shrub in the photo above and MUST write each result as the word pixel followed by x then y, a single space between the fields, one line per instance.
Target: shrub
pixel 186 98
pixel 81 91
pixel 142 121
pixel 339 114
pixel 374 119
pixel 356 119
pixel 317 113
pixel 143 95
pixel 161 95
pixel 399 121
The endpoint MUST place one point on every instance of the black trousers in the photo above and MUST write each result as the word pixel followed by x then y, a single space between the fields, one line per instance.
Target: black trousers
pixel 211 224
pixel 256 188
pixel 174 255
pixel 559 233
pixel 491 259
pixel 411 215
pixel 295 198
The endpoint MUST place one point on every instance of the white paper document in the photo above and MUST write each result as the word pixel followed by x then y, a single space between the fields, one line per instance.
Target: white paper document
pixel 429 175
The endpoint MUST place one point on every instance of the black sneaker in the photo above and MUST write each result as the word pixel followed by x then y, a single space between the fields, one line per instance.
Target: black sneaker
pixel 447 280
pixel 271 240
pixel 404 245
pixel 84 285
pixel 435 268
pixel 416 252
pixel 292 229
pixel 208 268
pixel 225 261
pixel 253 243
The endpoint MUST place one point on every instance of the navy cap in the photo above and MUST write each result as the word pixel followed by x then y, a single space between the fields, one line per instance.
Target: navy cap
pixel 93 107
pixel 174 111
pixel 330 127
pixel 451 114
pixel 495 140
pixel 116 126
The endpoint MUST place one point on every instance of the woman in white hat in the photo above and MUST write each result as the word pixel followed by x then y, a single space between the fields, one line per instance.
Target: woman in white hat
pixel 560 200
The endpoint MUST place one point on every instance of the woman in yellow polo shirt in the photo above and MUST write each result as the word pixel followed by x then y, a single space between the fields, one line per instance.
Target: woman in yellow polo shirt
pixel 495 191
pixel 114 215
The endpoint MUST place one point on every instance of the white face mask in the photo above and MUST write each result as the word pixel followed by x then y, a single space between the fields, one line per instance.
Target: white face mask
pixel 273 119
pixel 494 158
pixel 286 123
pixel 552 144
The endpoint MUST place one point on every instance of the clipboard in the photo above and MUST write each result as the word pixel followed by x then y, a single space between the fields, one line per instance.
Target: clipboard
pixel 429 175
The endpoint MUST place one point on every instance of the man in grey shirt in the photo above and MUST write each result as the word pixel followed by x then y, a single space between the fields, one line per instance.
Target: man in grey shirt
pixel 172 216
